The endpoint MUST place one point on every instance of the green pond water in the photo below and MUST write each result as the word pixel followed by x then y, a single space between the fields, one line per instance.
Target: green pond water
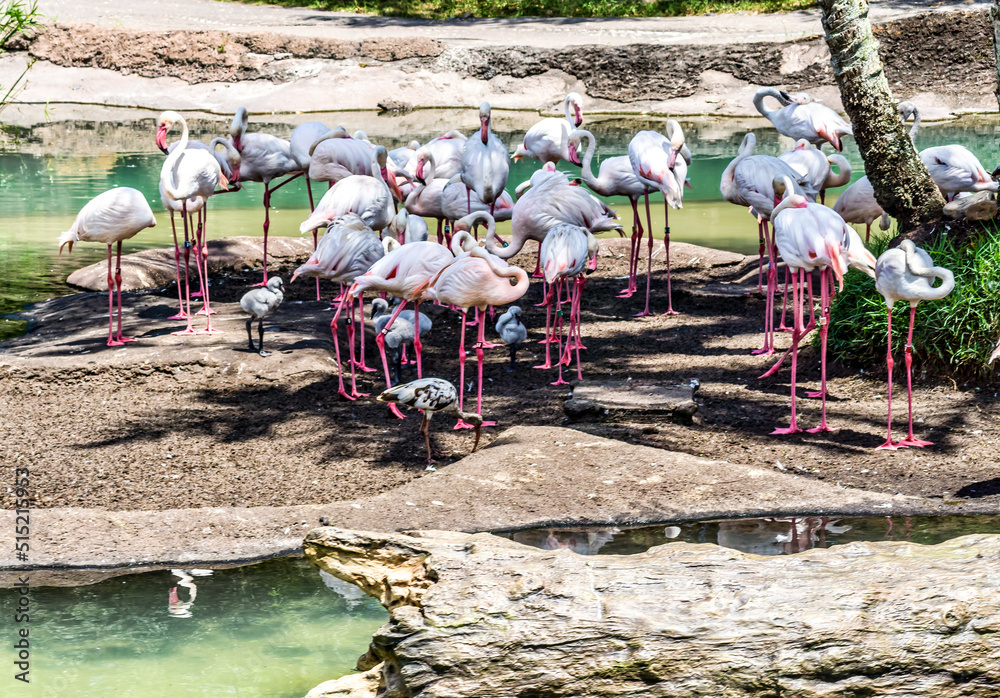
pixel 273 630
pixel 778 536
pixel 51 170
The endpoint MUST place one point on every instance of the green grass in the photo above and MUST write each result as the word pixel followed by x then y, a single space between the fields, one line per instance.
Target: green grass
pixel 443 9
pixel 953 336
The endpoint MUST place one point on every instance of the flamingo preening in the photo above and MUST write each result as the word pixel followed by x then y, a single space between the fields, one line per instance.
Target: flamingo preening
pixel 615 178
pixel 815 169
pixel 475 279
pixel 347 250
pixel 800 116
pixel 549 140
pixel 116 215
pixel 191 174
pixel 654 159
pixel 431 395
pixel 367 196
pixel 907 273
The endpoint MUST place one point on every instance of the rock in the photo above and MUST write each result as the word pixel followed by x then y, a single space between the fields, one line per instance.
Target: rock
pixel 631 400
pixel 362 685
pixel 394 105
pixel 477 615
pixel 155 268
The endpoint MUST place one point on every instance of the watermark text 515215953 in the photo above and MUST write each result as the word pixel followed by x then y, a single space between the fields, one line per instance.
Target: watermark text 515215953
pixel 22 547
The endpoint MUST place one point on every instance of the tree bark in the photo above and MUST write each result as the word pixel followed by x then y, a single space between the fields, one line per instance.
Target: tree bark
pixel 902 185
pixel 995 18
pixel 487 617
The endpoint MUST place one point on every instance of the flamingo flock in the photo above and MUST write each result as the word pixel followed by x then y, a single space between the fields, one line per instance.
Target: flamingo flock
pixel 370 234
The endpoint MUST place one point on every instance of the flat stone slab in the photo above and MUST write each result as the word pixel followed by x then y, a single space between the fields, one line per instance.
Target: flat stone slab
pixel 603 401
pixel 155 268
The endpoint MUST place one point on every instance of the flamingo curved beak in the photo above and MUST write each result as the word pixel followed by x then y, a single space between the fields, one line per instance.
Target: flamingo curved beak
pixel 484 130
pixel 70 243
pixel 579 115
pixel 161 138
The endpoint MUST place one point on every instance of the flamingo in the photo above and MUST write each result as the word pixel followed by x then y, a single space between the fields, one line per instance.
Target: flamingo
pixel 857 203
pixel 299 145
pixel 565 252
pixel 263 158
pixel 800 116
pixel 809 235
pixel 954 168
pixel 401 273
pixel 484 163
pixel 344 253
pixel 549 140
pixel 425 199
pixel 191 174
pixel 405 228
pixel 367 196
pixel 615 178
pixel 116 215
pixel 748 181
pixel 512 332
pixel 907 273
pixel 475 279
pixel 258 303
pixel 402 331
pixel 815 169
pixel 431 395
pixel 654 160
pixel 447 150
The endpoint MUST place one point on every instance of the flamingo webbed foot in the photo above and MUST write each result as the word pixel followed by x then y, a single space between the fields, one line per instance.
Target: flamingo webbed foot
pixel 890 445
pixel 820 429
pixel 786 430
pixel 917 443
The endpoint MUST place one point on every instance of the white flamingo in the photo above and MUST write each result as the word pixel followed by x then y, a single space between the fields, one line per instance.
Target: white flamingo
pixel 367 196
pixel 549 140
pixel 485 166
pixel 802 117
pixel 907 273
pixel 815 169
pixel 116 215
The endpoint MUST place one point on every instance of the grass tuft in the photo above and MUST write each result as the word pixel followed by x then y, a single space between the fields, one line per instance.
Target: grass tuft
pixel 443 9
pixel 953 336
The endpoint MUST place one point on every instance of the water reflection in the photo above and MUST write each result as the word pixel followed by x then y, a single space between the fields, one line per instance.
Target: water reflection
pixel 175 606
pixel 764 536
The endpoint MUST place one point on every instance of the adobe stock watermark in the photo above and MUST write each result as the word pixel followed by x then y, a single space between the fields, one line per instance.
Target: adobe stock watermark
pixel 22 546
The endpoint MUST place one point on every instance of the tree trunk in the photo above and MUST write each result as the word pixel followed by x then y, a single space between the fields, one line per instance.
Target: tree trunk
pixel 995 18
pixel 487 617
pixel 902 184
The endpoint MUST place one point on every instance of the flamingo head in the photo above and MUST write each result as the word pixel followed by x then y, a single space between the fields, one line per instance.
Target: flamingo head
pixel 484 121
pixel 238 127
pixel 798 98
pixel 801 144
pixel 161 137
pixel 574 156
pixel 419 172
pixel 676 141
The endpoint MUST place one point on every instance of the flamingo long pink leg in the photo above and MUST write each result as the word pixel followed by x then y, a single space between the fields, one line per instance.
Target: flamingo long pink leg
pixel 461 373
pixel 649 256
pixel 666 248
pixel 203 242
pixel 181 315
pixel 760 255
pixel 350 340
pixel 558 331
pixel 119 337
pixel 910 439
pixel 417 345
pixel 784 305
pixel 187 263
pixel 548 331
pixel 480 338
pixel 772 282
pixel 111 305
pixel 202 249
pixel 380 343
pixel 361 364
pixel 793 426
pixel 889 444
pixel 336 348
pixel 824 320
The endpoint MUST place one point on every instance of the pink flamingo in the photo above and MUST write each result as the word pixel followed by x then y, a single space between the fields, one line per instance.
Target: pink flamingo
pixel 116 215
pixel 907 273
pixel 299 144
pixel 191 174
pixel 366 195
pixel 402 273
pixel 857 204
pixel 485 166
pixel 953 168
pixel 264 158
pixel 800 116
pixel 475 279
pixel 654 160
pixel 748 181
pixel 815 169
pixel 565 253
pixel 446 150
pixel 344 253
pixel 425 199
pixel 615 178
pixel 809 236
pixel 549 140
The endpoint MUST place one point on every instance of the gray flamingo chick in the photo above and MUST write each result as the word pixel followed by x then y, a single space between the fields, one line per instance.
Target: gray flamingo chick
pixel 513 333
pixel 431 395
pixel 259 303
pixel 399 334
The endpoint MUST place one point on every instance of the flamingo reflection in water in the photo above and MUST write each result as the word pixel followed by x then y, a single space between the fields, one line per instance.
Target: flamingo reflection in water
pixel 176 607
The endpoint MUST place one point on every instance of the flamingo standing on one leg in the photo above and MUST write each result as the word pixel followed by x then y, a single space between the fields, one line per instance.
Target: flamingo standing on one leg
pixel 907 273
pixel 549 140
pixel 116 215
pixel 800 116
pixel 431 395
pixel 654 159
pixel 186 174
pixel 344 253
pixel 615 178
pixel 264 158
pixel 476 279
pixel 809 236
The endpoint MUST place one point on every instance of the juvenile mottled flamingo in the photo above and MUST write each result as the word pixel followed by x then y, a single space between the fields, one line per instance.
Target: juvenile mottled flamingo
pixel 802 117
pixel 475 279
pixel 116 215
pixel 549 140
pixel 809 236
pixel 654 160
pixel 431 395
pixel 615 178
pixel 907 273
pixel 263 158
